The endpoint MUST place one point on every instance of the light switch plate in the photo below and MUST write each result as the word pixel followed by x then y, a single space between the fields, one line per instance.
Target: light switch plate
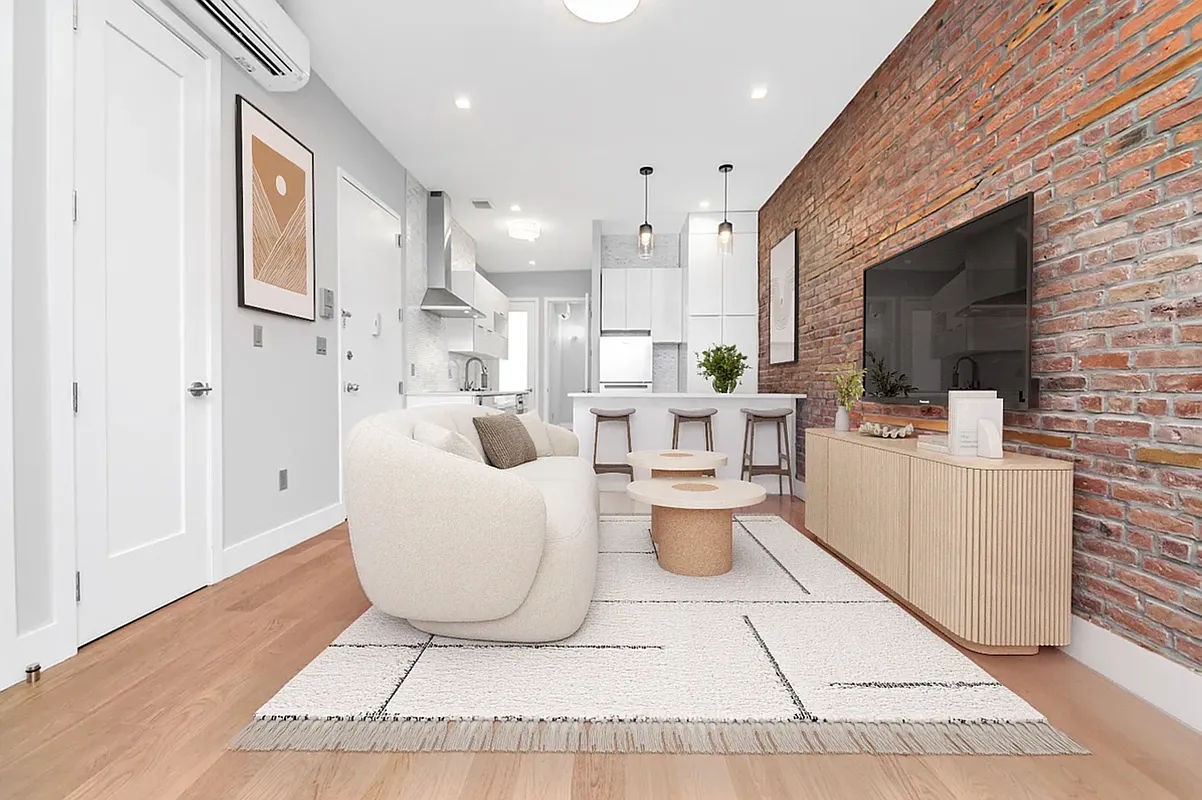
pixel 258 336
pixel 283 479
pixel 321 345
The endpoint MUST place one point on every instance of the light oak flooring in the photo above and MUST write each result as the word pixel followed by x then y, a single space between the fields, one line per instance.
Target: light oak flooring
pixel 147 712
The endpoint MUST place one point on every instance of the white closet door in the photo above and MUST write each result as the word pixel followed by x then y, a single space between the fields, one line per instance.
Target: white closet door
pixel 638 299
pixel 704 333
pixel 740 277
pixel 744 333
pixel 142 316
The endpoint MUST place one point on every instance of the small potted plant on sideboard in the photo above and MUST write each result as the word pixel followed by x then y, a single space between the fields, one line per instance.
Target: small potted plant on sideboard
pixel 723 364
pixel 849 388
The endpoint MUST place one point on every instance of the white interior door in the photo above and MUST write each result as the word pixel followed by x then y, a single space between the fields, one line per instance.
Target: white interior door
pixel 370 266
pixel 521 370
pixel 142 315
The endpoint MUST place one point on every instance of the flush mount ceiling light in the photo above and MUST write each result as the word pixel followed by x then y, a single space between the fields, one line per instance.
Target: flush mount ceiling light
pixel 463 102
pixel 646 235
pixel 532 263
pixel 759 92
pixel 526 230
pixel 515 208
pixel 601 11
pixel 704 204
pixel 726 231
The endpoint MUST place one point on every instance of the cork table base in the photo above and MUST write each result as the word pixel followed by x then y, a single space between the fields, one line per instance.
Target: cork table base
pixel 691 541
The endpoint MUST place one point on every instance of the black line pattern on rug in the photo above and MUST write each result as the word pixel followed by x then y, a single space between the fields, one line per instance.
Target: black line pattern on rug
pixel 626 552
pixel 760 602
pixel 509 646
pixel 772 555
pixel 380 711
pixel 911 684
pixel 802 714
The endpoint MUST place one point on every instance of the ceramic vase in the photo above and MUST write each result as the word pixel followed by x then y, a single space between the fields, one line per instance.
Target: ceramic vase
pixel 842 420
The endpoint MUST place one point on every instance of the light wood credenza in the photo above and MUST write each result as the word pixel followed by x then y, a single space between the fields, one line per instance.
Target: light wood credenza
pixel 981 548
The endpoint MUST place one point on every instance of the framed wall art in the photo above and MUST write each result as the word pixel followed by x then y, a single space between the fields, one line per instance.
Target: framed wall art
pixel 275 217
pixel 782 302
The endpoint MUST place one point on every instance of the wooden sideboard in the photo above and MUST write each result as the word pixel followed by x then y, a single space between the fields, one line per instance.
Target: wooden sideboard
pixel 979 547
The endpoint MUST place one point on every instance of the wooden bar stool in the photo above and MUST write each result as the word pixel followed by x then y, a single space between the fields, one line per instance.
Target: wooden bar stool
pixel 682 416
pixel 612 415
pixel 772 416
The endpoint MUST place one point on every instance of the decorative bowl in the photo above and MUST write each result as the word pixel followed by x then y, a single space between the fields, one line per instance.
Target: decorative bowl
pixel 886 431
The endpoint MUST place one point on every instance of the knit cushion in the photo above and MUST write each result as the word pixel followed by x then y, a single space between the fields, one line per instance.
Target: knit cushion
pixel 446 440
pixel 506 442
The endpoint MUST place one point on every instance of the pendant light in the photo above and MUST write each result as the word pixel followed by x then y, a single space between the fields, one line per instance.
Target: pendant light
pixel 726 231
pixel 646 236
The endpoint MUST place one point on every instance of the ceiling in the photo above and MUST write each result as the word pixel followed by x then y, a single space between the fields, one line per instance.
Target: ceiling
pixel 565 112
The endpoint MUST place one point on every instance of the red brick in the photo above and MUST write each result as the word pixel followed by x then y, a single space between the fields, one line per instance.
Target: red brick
pixel 1146 584
pixel 1184 407
pixel 1120 382
pixel 1110 592
pixel 1184 382
pixel 1177 549
pixel 1173 572
pixel 1180 434
pixel 1136 493
pixel 1170 262
pixel 1123 427
pixel 1186 623
pixel 1138 625
pixel 1160 521
pixel 1152 406
pixel 1177 357
pixel 1113 360
pixel 1174 164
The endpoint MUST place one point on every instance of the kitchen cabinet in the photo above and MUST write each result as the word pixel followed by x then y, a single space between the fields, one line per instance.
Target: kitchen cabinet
pixel 613 300
pixel 626 300
pixel 744 333
pixel 703 333
pixel 667 305
pixel 740 276
pixel 487 335
pixel 705 276
pixel 638 299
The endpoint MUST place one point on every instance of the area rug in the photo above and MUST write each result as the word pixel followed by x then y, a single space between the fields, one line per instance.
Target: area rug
pixel 790 652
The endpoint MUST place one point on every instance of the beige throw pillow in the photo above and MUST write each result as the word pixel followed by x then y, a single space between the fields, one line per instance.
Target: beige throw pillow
pixel 538 433
pixel 506 443
pixel 446 440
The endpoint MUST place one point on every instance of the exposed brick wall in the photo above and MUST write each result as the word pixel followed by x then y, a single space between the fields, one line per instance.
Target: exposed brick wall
pixel 955 123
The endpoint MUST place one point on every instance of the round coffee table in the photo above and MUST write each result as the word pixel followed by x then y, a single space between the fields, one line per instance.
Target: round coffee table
pixel 691 520
pixel 677 463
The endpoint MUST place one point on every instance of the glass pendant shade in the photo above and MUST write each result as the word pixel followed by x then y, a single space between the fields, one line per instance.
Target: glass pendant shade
pixel 646 241
pixel 726 238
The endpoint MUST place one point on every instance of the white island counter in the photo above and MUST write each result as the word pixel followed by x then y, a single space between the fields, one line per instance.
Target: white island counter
pixel 651 427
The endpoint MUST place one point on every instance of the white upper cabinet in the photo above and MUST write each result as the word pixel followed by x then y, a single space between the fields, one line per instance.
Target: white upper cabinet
pixel 638 299
pixel 740 276
pixel 704 333
pixel 705 276
pixel 667 306
pixel 613 300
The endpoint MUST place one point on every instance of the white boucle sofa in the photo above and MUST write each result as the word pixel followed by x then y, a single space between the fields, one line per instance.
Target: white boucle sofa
pixel 460 548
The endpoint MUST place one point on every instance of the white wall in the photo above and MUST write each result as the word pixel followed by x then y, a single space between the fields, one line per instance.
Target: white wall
pixel 280 401
pixel 8 597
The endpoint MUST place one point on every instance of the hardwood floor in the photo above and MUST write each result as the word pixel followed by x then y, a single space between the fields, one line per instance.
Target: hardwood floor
pixel 147 712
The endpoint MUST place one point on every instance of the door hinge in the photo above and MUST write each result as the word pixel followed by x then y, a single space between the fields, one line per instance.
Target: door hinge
pixel 77 594
pixel 400 240
pixel 74 206
pixel 74 15
pixel 75 397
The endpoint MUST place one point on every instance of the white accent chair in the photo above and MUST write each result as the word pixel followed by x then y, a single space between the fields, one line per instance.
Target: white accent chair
pixel 462 549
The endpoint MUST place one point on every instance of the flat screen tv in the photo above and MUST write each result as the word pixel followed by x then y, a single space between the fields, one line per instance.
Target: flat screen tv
pixel 954 313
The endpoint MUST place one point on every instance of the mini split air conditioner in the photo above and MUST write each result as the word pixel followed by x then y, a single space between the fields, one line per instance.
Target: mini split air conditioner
pixel 258 35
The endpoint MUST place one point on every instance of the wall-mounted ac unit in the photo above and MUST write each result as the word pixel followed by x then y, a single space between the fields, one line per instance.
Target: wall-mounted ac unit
pixel 258 35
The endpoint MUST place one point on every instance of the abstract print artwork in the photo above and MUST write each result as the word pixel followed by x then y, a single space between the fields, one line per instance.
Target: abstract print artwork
pixel 275 217
pixel 782 306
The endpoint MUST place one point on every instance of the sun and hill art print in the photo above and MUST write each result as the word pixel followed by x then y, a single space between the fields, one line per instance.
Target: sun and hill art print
pixel 275 217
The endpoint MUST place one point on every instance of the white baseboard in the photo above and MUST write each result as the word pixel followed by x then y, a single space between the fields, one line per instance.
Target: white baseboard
pixel 1174 689
pixel 238 557
pixel 799 489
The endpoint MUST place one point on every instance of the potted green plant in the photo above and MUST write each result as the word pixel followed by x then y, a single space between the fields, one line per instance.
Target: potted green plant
pixel 723 364
pixel 849 388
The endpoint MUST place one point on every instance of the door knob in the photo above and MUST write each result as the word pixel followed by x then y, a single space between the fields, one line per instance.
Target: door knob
pixel 199 389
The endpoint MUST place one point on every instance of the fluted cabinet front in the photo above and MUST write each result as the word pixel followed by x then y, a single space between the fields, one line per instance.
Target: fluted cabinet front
pixel 982 548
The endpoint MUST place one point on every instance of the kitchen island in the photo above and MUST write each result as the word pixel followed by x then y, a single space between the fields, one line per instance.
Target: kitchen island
pixel 651 427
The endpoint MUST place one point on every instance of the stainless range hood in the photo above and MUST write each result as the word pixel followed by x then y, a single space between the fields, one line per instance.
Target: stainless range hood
pixel 440 298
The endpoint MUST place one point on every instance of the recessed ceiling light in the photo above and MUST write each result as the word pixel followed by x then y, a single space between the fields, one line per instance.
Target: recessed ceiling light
pixel 463 102
pixel 601 11
pixel 515 208
pixel 704 204
pixel 531 263
pixel 759 92
pixel 526 230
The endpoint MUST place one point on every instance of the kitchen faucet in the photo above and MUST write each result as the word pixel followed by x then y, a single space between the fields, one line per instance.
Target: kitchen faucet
pixel 467 374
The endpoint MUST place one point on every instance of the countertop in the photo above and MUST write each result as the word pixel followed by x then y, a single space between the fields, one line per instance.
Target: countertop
pixel 685 396
pixel 475 393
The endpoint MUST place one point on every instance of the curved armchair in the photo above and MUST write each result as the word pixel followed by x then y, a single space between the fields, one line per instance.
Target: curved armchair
pixel 460 548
